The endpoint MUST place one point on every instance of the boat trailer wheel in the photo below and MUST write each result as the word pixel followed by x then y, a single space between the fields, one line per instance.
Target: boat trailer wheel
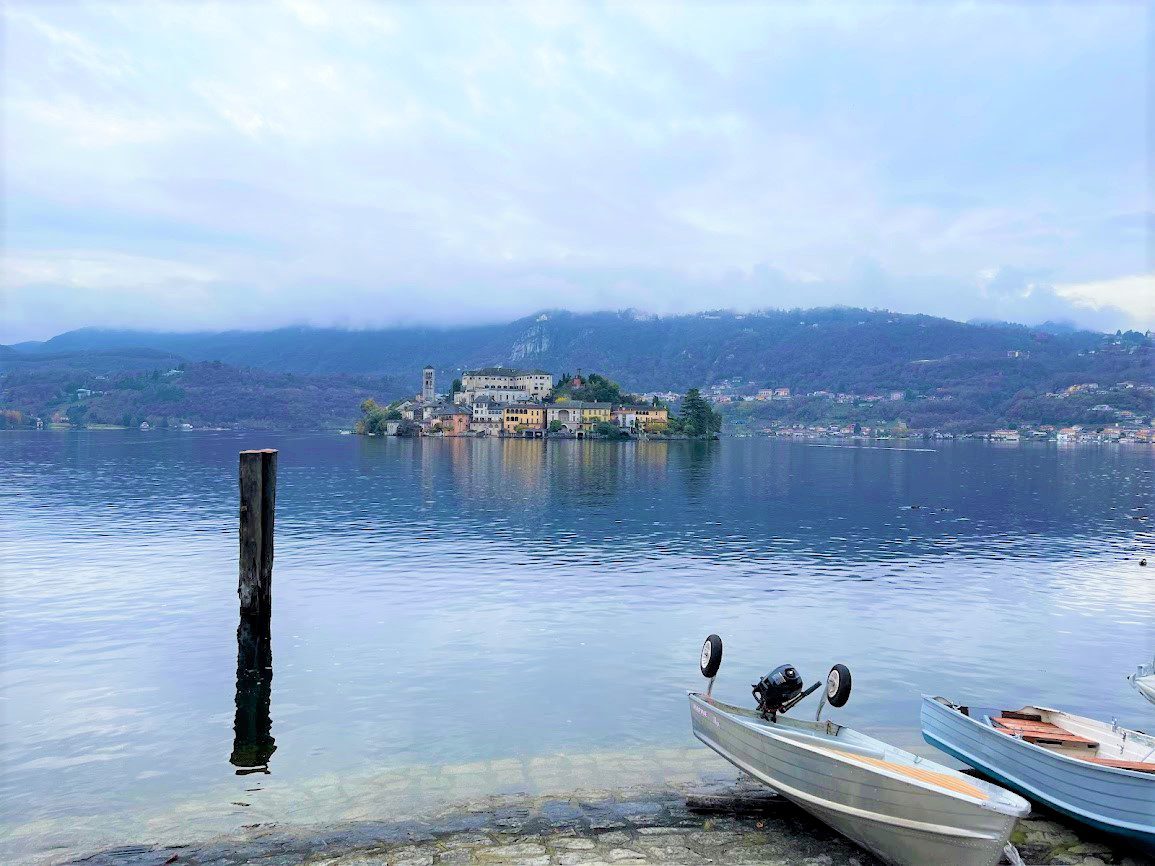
pixel 838 685
pixel 711 656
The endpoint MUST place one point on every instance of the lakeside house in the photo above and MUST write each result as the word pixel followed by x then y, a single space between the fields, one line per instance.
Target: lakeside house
pixel 579 418
pixel 522 418
pixel 644 418
pixel 575 416
pixel 486 418
pixel 451 420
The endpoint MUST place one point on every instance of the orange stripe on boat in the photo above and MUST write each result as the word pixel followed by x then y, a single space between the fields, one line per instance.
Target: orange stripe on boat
pixel 941 780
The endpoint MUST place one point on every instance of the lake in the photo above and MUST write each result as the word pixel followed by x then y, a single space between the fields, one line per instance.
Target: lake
pixel 486 604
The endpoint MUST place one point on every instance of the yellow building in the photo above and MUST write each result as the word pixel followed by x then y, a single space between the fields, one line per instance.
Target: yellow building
pixel 593 413
pixel 518 417
pixel 642 417
pixel 578 416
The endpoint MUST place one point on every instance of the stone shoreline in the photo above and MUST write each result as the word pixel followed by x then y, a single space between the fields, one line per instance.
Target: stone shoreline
pixel 700 823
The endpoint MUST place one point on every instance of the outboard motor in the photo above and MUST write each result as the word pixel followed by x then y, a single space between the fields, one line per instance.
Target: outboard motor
pixel 779 690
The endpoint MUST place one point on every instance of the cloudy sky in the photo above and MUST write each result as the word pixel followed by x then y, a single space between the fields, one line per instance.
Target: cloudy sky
pixel 185 165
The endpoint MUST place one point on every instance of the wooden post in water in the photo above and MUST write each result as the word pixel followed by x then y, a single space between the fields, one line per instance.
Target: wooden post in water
pixel 258 484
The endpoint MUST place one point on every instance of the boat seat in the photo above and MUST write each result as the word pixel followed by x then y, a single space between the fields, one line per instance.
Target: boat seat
pixel 1041 733
pixel 1138 766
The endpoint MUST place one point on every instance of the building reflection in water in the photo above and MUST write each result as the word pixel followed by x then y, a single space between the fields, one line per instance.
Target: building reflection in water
pixel 253 742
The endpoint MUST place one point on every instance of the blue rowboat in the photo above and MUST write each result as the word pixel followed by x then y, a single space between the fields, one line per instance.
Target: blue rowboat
pixel 1100 774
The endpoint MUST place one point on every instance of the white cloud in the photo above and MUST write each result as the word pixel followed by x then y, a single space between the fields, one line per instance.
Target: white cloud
pixel 99 271
pixel 378 163
pixel 1134 295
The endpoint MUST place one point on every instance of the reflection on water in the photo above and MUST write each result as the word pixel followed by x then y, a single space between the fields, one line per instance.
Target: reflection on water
pixel 253 742
pixel 469 602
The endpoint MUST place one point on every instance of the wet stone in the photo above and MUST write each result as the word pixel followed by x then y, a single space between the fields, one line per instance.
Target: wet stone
pixel 576 844
pixel 464 840
pixel 575 858
pixel 674 854
pixel 410 857
pixel 713 839
pixel 1089 848
pixel 512 852
pixel 557 812
pixel 626 855
pixel 615 838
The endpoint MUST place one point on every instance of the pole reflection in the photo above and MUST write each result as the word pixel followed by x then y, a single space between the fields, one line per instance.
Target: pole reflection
pixel 253 743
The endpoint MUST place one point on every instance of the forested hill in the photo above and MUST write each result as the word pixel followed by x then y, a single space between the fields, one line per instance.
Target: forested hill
pixel 835 349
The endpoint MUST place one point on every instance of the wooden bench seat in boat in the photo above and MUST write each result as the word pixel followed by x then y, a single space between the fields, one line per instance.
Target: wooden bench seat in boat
pixel 1040 732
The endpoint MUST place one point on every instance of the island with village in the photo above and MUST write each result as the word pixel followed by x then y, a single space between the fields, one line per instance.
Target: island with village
pixel 534 404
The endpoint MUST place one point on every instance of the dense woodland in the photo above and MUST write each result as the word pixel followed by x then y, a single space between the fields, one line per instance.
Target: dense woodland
pixel 953 376
pixel 206 394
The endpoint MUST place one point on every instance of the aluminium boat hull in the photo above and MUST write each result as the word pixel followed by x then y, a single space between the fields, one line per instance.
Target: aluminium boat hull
pixel 1109 798
pixel 904 809
pixel 1144 681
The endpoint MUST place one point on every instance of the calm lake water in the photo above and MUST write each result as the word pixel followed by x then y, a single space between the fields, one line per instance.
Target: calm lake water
pixel 472 602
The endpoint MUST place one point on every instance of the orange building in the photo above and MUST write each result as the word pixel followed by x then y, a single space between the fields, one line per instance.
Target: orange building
pixel 453 422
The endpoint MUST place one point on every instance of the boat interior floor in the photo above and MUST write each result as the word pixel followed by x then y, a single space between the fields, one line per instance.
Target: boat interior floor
pixel 1032 729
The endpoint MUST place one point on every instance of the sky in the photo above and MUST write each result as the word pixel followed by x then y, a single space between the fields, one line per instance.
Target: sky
pixel 190 166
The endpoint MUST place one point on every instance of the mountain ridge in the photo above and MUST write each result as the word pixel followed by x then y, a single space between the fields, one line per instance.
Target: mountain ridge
pixel 645 352
pixel 842 365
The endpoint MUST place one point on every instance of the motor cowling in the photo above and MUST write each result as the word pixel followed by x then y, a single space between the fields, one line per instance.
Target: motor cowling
pixel 778 690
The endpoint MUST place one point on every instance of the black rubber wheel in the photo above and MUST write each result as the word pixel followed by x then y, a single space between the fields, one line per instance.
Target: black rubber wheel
pixel 838 685
pixel 711 656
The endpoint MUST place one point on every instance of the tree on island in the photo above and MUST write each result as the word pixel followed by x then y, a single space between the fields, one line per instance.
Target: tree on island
pixel 374 417
pixel 608 430
pixel 593 389
pixel 698 418
pixel 408 428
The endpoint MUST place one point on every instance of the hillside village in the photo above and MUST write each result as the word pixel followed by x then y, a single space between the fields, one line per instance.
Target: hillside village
pixel 530 404
pixel 1119 412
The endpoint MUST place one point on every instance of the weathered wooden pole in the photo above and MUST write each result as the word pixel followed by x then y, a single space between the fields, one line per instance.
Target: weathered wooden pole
pixel 258 485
